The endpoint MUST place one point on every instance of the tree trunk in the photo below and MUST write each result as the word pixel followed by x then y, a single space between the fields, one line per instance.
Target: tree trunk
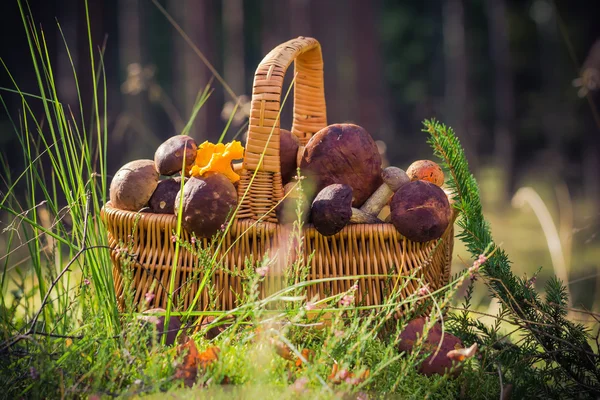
pixel 459 110
pixel 504 95
pixel 233 25
pixel 190 73
pixel 370 92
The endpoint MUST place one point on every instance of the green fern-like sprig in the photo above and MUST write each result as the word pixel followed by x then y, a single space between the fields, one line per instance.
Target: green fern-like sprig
pixel 553 357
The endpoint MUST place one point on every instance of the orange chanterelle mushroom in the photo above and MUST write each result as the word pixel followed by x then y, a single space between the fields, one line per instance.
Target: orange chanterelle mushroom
pixel 217 158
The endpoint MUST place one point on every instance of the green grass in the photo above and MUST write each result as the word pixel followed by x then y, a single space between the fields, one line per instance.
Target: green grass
pixel 62 334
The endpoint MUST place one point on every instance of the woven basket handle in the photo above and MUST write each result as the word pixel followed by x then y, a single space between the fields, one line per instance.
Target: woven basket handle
pixel 309 116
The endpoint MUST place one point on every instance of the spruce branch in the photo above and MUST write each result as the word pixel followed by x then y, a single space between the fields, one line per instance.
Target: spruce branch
pixel 553 355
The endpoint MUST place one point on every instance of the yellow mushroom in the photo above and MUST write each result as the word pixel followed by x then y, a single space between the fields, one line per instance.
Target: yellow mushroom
pixel 217 158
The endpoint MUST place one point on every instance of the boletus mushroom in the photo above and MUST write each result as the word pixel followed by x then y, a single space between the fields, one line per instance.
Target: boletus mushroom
pixel 133 185
pixel 163 198
pixel 157 323
pixel 332 210
pixel 438 361
pixel 207 202
pixel 420 211
pixel 426 170
pixel 344 154
pixel 288 154
pixel 169 155
pixel 393 179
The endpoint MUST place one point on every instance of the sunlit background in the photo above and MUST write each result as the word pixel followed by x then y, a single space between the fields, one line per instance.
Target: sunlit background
pixel 515 78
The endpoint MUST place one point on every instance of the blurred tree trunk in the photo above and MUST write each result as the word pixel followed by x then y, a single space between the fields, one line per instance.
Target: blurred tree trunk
pixel 459 109
pixel 300 18
pixel 83 62
pixel 133 120
pixel 233 24
pixel 370 91
pixel 504 95
pixel 190 74
pixel 67 90
pixel 328 34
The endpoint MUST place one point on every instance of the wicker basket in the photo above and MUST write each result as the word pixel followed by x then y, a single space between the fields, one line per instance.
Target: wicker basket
pixel 363 249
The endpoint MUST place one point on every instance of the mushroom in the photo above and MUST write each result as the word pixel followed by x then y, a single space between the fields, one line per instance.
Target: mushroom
pixel 426 170
pixel 393 179
pixel 133 185
pixel 158 323
pixel 163 198
pixel 288 154
pixel 344 154
pixel 217 158
pixel 438 361
pixel 207 202
pixel 420 211
pixel 332 210
pixel 169 155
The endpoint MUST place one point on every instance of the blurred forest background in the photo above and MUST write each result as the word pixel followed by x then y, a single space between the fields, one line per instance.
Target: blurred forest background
pixel 503 73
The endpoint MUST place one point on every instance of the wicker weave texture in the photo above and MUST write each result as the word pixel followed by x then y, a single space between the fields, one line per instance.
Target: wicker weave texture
pixel 363 249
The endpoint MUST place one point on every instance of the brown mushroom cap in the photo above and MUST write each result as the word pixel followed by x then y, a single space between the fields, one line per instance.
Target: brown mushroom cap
pixel 288 151
pixel 438 363
pixel 169 155
pixel 426 170
pixel 163 198
pixel 344 154
pixel 331 210
pixel 133 185
pixel 207 202
pixel 159 325
pixel 420 211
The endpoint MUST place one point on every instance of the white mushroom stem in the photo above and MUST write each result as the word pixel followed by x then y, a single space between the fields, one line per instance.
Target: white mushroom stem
pixel 393 179
pixel 237 166
pixel 361 217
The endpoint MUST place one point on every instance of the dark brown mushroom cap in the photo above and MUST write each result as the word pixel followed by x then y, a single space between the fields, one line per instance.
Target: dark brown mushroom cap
pixel 331 210
pixel 420 211
pixel 288 151
pixel 133 185
pixel 207 202
pixel 163 198
pixel 345 154
pixel 159 325
pixel 438 363
pixel 169 155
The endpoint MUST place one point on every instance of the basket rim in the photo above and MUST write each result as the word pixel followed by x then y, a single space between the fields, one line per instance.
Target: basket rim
pixel 307 228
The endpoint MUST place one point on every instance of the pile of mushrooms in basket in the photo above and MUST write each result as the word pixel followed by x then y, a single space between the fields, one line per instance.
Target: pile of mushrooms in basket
pixel 341 162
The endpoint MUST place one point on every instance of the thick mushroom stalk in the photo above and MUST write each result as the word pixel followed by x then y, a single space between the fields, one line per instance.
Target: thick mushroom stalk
pixel 332 210
pixel 393 179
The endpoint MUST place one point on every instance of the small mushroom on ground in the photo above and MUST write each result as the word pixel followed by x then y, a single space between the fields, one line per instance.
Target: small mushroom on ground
pixel 169 155
pixel 344 154
pixel 163 198
pixel 287 209
pixel 393 179
pixel 332 210
pixel 288 154
pixel 438 361
pixel 426 170
pixel 133 185
pixel 420 211
pixel 158 323
pixel 207 202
